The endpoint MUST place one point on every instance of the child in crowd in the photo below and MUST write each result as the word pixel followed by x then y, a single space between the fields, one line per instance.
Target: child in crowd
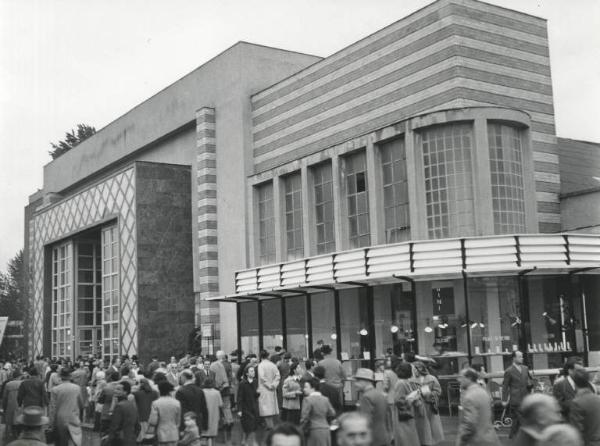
pixel 191 434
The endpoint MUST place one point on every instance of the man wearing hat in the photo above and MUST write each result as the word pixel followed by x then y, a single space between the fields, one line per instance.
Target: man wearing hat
pixel 66 407
pixel 32 420
pixel 373 405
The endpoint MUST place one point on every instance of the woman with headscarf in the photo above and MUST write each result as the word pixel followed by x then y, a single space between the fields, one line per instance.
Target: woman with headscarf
pixel 426 405
pixel 247 401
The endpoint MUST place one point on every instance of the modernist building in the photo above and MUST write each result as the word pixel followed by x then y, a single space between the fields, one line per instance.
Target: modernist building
pixel 408 192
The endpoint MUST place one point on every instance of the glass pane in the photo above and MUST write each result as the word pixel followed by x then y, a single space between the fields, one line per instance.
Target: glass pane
pixel 297 331
pixel 272 326
pixel 323 319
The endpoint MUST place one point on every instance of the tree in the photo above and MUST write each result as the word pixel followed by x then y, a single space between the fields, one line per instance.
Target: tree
pixel 13 301
pixel 71 140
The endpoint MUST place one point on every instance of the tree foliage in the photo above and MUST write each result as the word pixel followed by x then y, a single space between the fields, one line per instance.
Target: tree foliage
pixel 13 299
pixel 72 139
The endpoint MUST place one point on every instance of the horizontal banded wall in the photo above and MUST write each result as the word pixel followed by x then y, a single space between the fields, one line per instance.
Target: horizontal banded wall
pixel 452 53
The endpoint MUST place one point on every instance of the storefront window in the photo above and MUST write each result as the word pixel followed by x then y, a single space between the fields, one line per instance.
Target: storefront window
pixel 272 326
pixel 506 168
pixel 249 327
pixel 324 219
pixel 442 324
pixel 448 180
pixel 555 320
pixel 297 330
pixel 589 285
pixel 293 216
pixel 394 311
pixel 395 191
pixel 354 329
pixel 357 199
pixel 266 224
pixel 495 321
pixel 323 319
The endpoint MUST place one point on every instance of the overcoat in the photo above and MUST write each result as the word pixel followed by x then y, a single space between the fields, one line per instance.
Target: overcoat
pixel 475 427
pixel 268 380
pixel 66 405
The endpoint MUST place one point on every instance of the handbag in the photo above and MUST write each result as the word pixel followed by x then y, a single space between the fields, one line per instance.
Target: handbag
pixel 404 409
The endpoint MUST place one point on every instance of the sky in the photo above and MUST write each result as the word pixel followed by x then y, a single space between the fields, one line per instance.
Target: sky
pixel 64 62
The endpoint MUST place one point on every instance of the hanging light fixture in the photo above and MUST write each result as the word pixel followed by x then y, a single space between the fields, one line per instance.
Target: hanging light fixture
pixel 394 328
pixel 428 328
pixel 550 320
pixel 363 332
pixel 333 336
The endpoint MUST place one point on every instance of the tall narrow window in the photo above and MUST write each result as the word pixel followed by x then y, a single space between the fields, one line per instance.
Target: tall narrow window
pixel 266 224
pixel 506 168
pixel 293 216
pixel 355 167
pixel 395 191
pixel 324 219
pixel 89 297
pixel 62 300
pixel 448 180
pixel 111 313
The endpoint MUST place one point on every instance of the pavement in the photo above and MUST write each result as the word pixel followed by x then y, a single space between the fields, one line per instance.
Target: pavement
pixel 450 425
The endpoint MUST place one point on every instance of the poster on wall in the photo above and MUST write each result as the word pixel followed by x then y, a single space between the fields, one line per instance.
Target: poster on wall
pixel 3 323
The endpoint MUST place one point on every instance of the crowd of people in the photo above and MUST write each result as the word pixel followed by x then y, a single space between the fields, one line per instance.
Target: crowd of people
pixel 276 397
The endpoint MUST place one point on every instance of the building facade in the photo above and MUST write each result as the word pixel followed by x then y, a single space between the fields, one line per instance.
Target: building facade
pixel 402 194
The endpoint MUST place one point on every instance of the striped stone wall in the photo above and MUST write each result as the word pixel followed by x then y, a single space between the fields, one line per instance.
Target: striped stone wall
pixel 206 272
pixel 452 53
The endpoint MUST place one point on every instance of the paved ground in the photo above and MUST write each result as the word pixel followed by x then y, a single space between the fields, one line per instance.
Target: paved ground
pixel 450 428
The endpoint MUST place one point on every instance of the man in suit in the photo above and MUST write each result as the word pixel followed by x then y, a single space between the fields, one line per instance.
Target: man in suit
pixel 124 422
pixel 475 426
pixel 374 405
pixel 515 386
pixel 564 389
pixel 31 391
pixel 66 407
pixel 332 393
pixel 584 412
pixel 192 399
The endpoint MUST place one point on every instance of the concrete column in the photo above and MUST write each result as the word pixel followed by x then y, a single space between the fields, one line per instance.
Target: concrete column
pixel 416 187
pixel 494 324
pixel 482 191
pixel 308 217
pixel 376 223
pixel 279 219
pixel 204 213
pixel 338 205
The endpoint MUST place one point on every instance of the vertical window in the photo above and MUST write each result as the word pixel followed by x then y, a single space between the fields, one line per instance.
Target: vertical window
pixel 89 297
pixel 355 167
pixel 395 191
pixel 293 216
pixel 324 219
pixel 62 299
pixel 110 292
pixel 266 224
pixel 508 202
pixel 448 180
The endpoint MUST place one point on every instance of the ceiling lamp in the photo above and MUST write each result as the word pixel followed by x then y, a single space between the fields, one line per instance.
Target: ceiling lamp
pixel 428 328
pixel 363 332
pixel 394 329
pixel 333 336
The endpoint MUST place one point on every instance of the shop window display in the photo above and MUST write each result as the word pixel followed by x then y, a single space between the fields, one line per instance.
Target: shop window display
pixel 323 319
pixel 249 327
pixel 296 326
pixel 394 319
pixel 272 324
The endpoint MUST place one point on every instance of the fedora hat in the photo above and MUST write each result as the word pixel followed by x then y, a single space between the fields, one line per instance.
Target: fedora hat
pixel 364 374
pixel 32 416
pixel 65 372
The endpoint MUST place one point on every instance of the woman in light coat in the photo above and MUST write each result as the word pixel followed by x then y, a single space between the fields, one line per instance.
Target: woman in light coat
pixel 165 416
pixel 404 430
pixel 427 418
pixel 214 402
pixel 268 380
pixel 291 393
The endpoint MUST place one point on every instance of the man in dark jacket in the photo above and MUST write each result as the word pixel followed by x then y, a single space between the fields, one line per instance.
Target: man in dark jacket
pixel 31 391
pixel 373 404
pixel 192 399
pixel 564 388
pixel 515 387
pixel 584 413
pixel 331 392
pixel 124 424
